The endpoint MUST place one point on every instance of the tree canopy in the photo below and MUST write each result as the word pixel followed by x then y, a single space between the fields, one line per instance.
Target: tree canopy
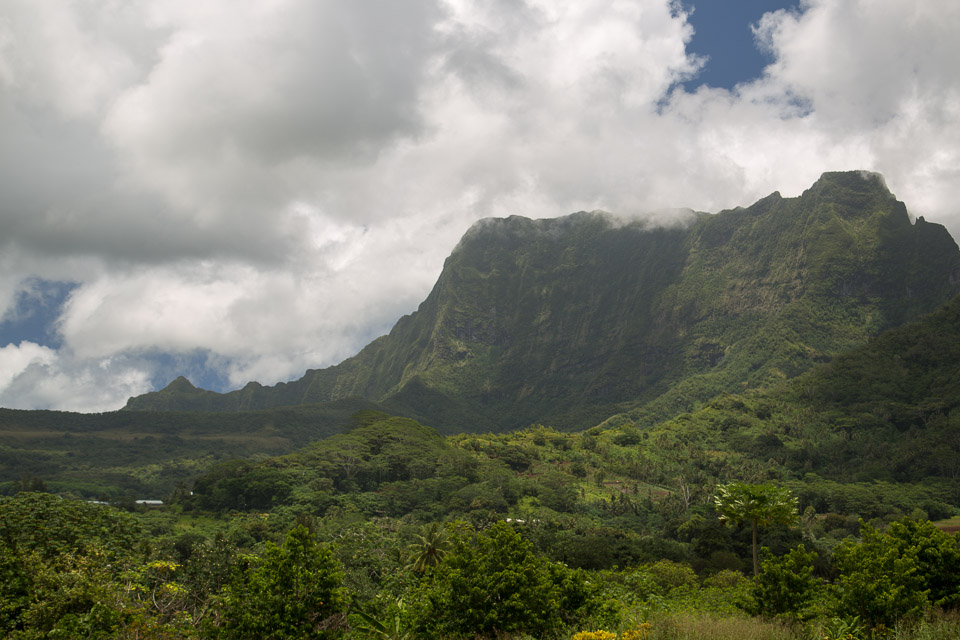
pixel 760 505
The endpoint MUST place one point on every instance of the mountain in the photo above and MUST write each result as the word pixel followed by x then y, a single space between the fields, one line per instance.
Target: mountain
pixel 873 434
pixel 887 411
pixel 566 321
pixel 149 453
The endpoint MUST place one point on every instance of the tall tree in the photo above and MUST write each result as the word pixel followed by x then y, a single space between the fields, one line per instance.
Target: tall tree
pixel 759 504
pixel 430 548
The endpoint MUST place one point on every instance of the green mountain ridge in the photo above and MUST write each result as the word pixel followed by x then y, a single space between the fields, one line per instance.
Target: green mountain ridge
pixel 567 321
pixel 149 453
pixel 887 410
pixel 885 414
pixel 874 433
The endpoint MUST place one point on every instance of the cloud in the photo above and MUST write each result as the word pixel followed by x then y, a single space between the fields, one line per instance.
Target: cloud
pixel 272 188
pixel 879 82
pixel 244 109
pixel 14 359
pixel 35 377
pixel 268 324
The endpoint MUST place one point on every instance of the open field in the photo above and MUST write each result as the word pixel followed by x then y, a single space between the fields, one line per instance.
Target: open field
pixel 950 525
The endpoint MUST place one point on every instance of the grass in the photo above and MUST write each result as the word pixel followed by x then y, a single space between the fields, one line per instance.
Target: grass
pixel 706 626
pixel 703 626
pixel 950 525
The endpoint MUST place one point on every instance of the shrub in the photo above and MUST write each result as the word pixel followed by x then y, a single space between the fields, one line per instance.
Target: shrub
pixel 594 635
pixel 640 632
pixel 670 575
pixel 896 574
pixel 879 582
pixel 293 591
pixel 493 583
pixel 786 585
pixel 51 526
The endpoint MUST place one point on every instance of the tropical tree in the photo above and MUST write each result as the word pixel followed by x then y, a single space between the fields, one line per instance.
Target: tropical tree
pixel 761 505
pixel 292 591
pixel 786 586
pixel 389 628
pixel 897 573
pixel 60 566
pixel 493 584
pixel 429 548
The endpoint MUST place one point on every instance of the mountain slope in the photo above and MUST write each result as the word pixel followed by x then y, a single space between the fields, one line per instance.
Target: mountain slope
pixel 886 411
pixel 149 453
pixel 569 320
pixel 875 433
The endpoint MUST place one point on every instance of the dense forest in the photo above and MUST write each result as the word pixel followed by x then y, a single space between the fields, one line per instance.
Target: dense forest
pixel 588 431
pixel 392 530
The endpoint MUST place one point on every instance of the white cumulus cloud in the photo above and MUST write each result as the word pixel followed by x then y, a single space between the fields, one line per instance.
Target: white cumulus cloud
pixel 273 187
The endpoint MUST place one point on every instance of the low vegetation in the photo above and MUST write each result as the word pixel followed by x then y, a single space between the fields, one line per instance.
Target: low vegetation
pixel 76 569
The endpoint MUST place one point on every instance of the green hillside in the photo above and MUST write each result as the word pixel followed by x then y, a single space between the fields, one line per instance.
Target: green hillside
pixel 888 411
pixel 567 321
pixel 147 454
pixel 875 433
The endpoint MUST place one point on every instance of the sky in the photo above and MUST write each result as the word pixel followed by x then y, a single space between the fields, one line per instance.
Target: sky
pixel 188 188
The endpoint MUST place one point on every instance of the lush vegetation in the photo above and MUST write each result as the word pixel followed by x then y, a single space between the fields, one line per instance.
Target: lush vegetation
pixel 617 531
pixel 75 569
pixel 392 530
pixel 125 455
pixel 754 464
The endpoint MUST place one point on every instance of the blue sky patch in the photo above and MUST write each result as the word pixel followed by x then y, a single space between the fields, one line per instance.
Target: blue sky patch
pixel 723 34
pixel 33 316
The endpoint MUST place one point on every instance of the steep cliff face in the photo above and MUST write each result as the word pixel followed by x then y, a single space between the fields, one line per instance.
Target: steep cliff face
pixel 566 321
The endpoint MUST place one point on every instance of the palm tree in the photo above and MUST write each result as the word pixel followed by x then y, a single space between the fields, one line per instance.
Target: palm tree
pixel 429 548
pixel 759 504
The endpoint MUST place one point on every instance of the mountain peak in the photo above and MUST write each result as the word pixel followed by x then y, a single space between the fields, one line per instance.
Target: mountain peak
pixel 178 395
pixel 858 181
pixel 519 228
pixel 181 384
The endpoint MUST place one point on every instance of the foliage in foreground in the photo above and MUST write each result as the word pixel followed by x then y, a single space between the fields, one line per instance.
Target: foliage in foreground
pixel 110 582
pixel 786 586
pixel 898 573
pixel 493 583
pixel 291 591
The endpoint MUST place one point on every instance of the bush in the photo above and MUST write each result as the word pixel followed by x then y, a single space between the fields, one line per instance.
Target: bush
pixel 670 575
pixel 786 585
pixel 493 583
pixel 293 591
pixel 937 556
pixel 51 526
pixel 594 635
pixel 879 582
pixel 898 573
